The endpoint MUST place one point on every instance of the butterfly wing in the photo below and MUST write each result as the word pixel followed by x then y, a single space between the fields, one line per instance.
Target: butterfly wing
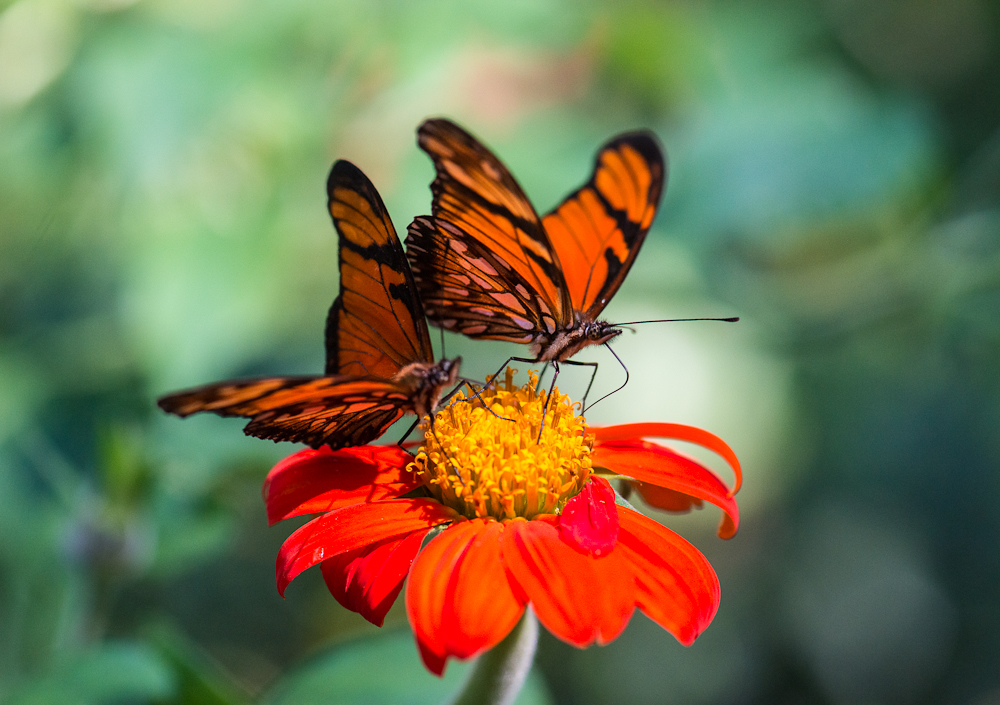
pixel 376 325
pixel 474 192
pixel 467 289
pixel 338 411
pixel 598 230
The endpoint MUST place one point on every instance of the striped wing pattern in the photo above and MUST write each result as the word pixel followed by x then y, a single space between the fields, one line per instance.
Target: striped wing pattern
pixel 598 230
pixel 379 356
pixel 376 325
pixel 486 266
pixel 339 410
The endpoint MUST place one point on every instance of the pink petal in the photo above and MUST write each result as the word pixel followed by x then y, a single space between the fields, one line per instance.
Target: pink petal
pixel 589 521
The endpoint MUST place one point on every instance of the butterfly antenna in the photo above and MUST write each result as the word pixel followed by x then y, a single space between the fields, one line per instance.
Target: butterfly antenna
pixel 732 319
pixel 619 388
pixel 441 330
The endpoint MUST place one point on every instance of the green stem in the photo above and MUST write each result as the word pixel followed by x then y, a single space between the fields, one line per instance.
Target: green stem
pixel 498 675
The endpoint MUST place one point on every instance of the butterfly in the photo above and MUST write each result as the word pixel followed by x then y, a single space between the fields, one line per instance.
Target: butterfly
pixel 380 363
pixel 486 265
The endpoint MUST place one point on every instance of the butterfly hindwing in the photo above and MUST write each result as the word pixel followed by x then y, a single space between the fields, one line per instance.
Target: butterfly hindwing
pixel 466 289
pixel 598 230
pixel 338 410
pixel 376 326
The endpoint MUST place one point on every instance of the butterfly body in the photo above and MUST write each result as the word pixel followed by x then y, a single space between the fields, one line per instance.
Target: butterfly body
pixel 380 363
pixel 488 266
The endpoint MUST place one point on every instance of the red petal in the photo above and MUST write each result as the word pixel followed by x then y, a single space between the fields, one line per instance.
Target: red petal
pixel 367 581
pixel 428 592
pixel 578 598
pixel 658 465
pixel 692 434
pixel 589 521
pixel 675 585
pixel 434 663
pixel 662 498
pixel 314 481
pixel 354 527
pixel 483 608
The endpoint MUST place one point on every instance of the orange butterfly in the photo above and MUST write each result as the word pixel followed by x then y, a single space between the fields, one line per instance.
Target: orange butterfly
pixel 380 363
pixel 487 266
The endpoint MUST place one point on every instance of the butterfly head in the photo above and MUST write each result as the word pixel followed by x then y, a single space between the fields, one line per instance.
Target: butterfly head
pixel 567 343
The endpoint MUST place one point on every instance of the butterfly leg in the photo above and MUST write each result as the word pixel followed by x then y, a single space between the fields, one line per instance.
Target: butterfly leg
pixel 548 398
pixel 476 394
pixel 616 390
pixel 406 435
pixel 541 374
pixel 593 376
pixel 503 366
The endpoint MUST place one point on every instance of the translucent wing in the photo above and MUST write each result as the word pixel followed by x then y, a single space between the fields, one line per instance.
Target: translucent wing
pixel 376 326
pixel 598 230
pixel 467 289
pixel 338 411
pixel 475 192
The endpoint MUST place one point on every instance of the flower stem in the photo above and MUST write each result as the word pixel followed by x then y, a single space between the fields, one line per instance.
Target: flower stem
pixel 498 675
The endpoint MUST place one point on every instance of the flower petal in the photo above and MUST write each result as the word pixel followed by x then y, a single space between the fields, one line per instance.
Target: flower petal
pixel 434 662
pixel 674 583
pixel 354 527
pixel 578 598
pixel 589 521
pixel 368 580
pixel 663 498
pixel 314 481
pixel 483 607
pixel 430 576
pixel 659 465
pixel 691 434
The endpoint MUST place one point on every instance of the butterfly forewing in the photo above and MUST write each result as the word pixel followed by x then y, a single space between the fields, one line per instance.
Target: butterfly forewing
pixel 475 192
pixel 379 357
pixel 598 230
pixel 336 410
pixel 376 325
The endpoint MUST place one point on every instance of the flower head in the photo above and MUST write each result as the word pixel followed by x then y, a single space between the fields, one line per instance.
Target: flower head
pixel 516 520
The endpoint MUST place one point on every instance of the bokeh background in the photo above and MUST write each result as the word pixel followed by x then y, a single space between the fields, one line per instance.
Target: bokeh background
pixel 835 181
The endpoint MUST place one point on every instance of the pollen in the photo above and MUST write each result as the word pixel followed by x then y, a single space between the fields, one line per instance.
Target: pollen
pixel 484 464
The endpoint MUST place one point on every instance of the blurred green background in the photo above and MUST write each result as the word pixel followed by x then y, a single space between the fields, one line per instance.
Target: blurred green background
pixel 835 181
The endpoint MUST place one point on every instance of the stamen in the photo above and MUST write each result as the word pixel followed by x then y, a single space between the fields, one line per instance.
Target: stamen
pixel 506 470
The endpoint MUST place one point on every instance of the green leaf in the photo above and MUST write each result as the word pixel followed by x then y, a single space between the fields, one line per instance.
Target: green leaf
pixel 114 672
pixel 382 669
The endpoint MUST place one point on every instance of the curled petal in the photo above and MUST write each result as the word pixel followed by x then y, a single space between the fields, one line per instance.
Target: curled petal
pixel 589 521
pixel 315 481
pixel 354 527
pixel 691 434
pixel 657 465
pixel 434 662
pixel 368 580
pixel 668 500
pixel 578 598
pixel 674 584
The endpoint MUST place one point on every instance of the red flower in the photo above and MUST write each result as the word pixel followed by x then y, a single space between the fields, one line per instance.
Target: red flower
pixel 503 537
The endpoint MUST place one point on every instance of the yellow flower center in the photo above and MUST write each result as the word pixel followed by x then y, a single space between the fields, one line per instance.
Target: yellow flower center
pixel 482 465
